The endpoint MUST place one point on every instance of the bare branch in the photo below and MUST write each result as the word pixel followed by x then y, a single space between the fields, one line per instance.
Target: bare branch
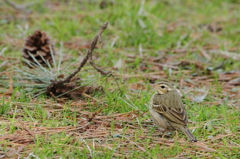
pixel 88 56
pixel 99 69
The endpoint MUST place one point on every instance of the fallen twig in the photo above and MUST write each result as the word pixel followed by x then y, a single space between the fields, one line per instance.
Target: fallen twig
pixel 97 112
pixel 28 130
pixel 154 63
pixel 88 56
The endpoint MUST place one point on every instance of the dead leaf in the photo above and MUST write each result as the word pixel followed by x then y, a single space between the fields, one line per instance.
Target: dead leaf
pixel 119 64
pixel 235 81
pixel 214 27
pixel 198 95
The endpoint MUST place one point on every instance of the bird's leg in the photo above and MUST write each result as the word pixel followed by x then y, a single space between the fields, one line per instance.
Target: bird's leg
pixel 164 134
pixel 176 133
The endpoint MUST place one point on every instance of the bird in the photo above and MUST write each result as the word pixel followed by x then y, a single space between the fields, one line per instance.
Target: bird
pixel 168 111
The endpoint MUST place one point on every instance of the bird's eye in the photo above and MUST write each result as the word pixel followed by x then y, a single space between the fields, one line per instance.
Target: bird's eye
pixel 162 86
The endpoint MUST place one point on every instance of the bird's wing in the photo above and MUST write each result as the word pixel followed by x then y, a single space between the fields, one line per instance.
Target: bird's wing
pixel 170 107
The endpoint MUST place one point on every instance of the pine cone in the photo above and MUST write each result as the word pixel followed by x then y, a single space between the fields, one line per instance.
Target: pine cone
pixel 36 45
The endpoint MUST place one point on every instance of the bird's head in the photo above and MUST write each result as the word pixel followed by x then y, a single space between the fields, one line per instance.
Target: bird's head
pixel 163 87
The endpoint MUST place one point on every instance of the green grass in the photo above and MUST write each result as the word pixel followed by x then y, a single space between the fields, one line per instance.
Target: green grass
pixel 45 128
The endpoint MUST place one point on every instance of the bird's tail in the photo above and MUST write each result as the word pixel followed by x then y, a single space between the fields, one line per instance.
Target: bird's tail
pixel 189 134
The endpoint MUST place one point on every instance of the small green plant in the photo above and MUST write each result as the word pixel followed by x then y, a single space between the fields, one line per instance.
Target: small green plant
pixel 4 107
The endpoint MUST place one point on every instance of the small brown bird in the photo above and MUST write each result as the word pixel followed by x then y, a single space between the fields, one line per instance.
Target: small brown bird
pixel 168 111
